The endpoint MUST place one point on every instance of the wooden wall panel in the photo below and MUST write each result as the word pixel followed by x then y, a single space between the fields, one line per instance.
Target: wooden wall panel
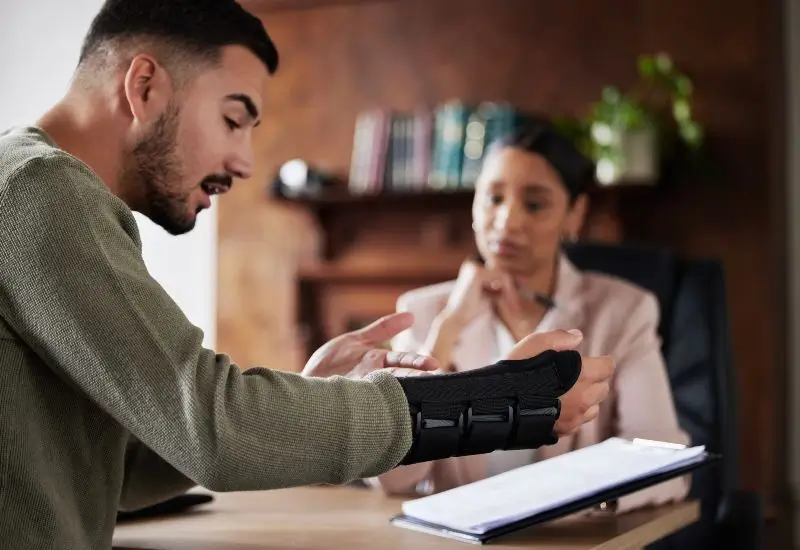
pixel 541 55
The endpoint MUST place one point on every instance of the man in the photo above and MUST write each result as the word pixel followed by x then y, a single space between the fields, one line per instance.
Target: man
pixel 107 399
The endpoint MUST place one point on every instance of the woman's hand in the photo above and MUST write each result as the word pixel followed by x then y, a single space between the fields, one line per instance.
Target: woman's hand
pixel 581 403
pixel 473 283
pixel 521 316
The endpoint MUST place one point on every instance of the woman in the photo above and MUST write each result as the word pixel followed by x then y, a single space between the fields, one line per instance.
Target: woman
pixel 529 198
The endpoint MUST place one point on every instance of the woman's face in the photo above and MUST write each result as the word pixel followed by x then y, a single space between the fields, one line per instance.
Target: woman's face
pixel 522 211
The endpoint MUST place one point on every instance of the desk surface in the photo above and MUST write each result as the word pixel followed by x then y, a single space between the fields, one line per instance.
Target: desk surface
pixel 343 518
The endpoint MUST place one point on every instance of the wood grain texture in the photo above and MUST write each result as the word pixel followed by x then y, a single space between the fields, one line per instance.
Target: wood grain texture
pixel 272 6
pixel 543 56
pixel 350 518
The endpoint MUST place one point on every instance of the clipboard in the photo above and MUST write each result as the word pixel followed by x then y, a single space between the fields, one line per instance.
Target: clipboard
pixel 570 507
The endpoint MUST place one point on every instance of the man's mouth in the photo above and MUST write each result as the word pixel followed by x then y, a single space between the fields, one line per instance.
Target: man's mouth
pixel 216 187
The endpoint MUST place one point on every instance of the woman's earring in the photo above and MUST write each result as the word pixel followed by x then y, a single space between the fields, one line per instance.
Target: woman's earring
pixel 569 239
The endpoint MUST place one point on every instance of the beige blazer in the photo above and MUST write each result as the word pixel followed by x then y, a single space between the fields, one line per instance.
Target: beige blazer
pixel 617 319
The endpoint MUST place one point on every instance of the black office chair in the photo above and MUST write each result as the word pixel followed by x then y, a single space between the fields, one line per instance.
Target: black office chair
pixel 696 345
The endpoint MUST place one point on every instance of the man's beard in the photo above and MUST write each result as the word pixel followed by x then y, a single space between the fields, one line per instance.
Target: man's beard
pixel 153 165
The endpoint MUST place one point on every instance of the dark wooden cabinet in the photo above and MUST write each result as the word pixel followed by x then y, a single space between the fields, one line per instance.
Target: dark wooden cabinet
pixel 375 247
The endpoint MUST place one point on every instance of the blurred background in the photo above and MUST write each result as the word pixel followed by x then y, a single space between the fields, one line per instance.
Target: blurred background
pixel 691 109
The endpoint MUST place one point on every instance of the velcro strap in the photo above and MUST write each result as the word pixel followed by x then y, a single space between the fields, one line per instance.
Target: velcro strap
pixel 536 417
pixel 438 427
pixel 488 425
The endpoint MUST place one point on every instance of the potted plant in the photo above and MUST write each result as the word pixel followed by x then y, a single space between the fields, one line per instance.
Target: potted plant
pixel 629 135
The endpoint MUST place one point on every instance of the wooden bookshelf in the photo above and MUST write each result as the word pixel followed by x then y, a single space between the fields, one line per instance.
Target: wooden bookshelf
pixel 431 198
pixel 335 299
pixel 342 216
pixel 273 6
pixel 375 247
pixel 394 199
pixel 386 274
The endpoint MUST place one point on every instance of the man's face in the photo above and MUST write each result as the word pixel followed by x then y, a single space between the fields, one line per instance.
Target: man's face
pixel 200 142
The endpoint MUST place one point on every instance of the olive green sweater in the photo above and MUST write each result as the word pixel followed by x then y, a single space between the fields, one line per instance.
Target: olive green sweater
pixel 107 398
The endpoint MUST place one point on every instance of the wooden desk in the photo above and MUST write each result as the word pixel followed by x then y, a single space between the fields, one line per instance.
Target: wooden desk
pixel 346 518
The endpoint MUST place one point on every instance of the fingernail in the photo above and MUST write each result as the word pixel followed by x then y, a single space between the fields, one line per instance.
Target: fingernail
pixel 575 332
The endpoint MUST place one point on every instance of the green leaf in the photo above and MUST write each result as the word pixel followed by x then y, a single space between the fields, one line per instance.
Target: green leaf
pixel 647 66
pixel 663 62
pixel 692 134
pixel 611 94
pixel 683 86
pixel 682 111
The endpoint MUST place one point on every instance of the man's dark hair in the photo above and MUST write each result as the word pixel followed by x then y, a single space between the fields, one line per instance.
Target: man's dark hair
pixel 198 27
pixel 536 134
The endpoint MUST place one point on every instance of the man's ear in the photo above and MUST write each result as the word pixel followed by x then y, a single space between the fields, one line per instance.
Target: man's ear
pixel 148 89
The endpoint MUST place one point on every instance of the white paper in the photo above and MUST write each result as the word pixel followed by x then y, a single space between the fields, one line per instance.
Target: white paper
pixel 523 492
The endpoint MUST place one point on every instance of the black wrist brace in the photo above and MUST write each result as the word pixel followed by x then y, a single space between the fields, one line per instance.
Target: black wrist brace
pixel 512 404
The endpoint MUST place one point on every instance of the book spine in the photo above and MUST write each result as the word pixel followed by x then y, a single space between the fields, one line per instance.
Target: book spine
pixel 438 177
pixel 380 146
pixel 359 161
pixel 453 143
pixel 423 148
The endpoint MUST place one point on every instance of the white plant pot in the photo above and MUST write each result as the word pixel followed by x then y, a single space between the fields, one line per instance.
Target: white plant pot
pixel 636 159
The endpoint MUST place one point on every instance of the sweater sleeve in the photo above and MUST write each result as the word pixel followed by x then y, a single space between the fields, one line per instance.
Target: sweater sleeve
pixel 74 286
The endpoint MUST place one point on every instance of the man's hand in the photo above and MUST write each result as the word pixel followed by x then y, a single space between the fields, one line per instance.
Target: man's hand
pixel 356 354
pixel 582 402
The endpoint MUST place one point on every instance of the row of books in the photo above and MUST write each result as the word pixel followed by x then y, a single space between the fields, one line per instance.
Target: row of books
pixel 425 150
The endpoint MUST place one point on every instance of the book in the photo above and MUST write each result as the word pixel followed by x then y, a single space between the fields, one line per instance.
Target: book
pixel 450 121
pixel 490 121
pixel 549 489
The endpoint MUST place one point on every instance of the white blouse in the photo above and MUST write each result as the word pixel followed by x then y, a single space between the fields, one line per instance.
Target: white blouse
pixel 502 461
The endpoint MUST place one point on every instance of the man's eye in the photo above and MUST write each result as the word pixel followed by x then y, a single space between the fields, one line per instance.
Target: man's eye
pixel 232 124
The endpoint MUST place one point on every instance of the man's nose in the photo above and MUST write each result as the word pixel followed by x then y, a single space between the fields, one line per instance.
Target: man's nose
pixel 241 163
